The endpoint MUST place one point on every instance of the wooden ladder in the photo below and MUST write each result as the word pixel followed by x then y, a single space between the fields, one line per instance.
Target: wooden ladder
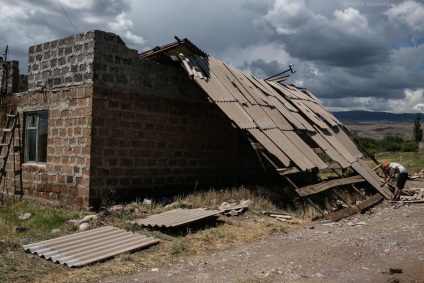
pixel 8 142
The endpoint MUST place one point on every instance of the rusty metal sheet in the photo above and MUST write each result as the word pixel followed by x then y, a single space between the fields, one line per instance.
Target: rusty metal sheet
pixel 86 247
pixel 295 155
pixel 305 149
pixel 278 118
pixel 237 114
pixel 346 141
pixel 270 146
pixel 329 149
pixel 176 217
pixel 286 113
pixel 368 175
pixel 259 116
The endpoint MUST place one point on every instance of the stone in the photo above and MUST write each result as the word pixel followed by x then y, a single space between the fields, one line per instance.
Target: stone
pixel 310 227
pixel 84 227
pixel 361 223
pixel 350 223
pixel 25 216
pixel 154 269
pixel 55 231
pixel 88 218
pixel 24 241
pixel 74 222
pixel 21 229
pixel 116 208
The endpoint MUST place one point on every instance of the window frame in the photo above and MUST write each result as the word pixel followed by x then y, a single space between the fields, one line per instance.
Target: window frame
pixel 38 132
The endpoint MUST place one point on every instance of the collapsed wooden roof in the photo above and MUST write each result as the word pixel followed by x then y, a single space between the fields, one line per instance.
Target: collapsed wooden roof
pixel 285 122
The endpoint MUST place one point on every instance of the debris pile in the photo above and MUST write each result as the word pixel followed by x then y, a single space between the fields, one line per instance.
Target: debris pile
pixel 280 216
pixel 234 209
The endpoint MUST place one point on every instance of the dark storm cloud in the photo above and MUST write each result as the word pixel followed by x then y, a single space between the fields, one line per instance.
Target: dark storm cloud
pixel 351 53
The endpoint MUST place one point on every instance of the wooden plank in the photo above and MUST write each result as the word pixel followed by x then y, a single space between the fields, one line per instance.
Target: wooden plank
pixel 370 201
pixel 342 213
pixel 317 188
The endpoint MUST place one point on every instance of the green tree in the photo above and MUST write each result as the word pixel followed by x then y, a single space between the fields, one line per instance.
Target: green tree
pixel 417 132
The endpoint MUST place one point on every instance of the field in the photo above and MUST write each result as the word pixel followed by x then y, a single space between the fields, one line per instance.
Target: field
pixel 379 131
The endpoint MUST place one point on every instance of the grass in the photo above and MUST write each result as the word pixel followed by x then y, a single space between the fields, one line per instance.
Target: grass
pixel 193 241
pixel 413 161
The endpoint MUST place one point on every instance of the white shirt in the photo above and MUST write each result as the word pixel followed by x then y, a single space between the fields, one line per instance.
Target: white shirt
pixel 400 167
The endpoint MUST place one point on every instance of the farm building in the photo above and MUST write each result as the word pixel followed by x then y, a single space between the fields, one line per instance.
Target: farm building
pixel 97 117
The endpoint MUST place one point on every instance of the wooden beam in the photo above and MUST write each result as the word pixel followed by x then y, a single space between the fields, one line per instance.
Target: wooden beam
pixel 317 188
pixel 370 201
pixel 340 214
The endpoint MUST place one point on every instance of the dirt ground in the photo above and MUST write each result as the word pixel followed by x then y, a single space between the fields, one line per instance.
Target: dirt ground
pixel 362 248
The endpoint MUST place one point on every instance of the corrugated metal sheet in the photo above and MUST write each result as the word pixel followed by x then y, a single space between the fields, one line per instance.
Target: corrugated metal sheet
pixel 329 149
pixel 346 141
pixel 278 118
pixel 371 176
pixel 308 113
pixel 290 149
pixel 259 116
pixel 319 111
pixel 237 114
pixel 270 146
pixel 305 149
pixel 286 113
pixel 90 246
pixel 176 217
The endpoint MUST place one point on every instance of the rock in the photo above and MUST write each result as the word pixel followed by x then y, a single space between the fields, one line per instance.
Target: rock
pixel 154 269
pixel 361 223
pixel 129 208
pixel 88 218
pixel 2 241
pixel 395 270
pixel 350 223
pixel 310 227
pixel 245 202
pixel 116 208
pixel 55 231
pixel 171 205
pixel 84 227
pixel 74 222
pixel 21 229
pixel 147 201
pixel 103 211
pixel 24 241
pixel 25 216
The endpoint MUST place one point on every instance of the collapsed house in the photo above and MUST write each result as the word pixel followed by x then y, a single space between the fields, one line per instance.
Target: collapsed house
pixel 98 116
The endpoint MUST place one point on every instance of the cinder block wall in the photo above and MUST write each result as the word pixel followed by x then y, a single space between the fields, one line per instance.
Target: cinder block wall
pixel 59 80
pixel 154 131
pixel 117 123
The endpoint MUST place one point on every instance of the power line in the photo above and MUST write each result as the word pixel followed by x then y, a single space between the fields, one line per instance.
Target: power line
pixel 66 14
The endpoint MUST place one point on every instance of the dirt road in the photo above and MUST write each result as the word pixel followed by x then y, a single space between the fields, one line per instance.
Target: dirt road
pixel 362 248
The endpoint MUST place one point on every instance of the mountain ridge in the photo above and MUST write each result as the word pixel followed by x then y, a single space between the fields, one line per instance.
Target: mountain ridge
pixel 362 116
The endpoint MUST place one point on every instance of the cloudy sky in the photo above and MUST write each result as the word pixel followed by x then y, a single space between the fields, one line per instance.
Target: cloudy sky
pixel 352 54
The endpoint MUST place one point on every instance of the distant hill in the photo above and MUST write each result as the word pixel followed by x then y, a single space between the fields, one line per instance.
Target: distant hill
pixel 360 116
